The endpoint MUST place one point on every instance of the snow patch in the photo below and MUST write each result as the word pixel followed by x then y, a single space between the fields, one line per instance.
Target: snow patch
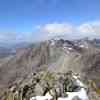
pixel 81 94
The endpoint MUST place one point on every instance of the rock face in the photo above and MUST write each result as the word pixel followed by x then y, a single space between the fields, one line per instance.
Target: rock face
pixel 20 67
pixel 46 58
pixel 69 88
pixel 23 64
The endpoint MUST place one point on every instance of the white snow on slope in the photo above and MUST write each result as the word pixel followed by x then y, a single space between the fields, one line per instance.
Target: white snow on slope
pixel 81 94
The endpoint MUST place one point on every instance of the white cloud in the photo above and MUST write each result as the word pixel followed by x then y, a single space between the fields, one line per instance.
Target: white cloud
pixel 57 28
pixel 7 36
pixel 84 29
pixel 90 27
pixel 54 29
pixel 11 37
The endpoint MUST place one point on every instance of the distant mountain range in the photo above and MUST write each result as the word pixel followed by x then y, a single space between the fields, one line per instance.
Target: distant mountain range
pixel 97 41
pixel 10 49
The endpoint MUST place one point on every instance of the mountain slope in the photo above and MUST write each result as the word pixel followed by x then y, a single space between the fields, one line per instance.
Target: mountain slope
pixel 23 64
pixel 57 56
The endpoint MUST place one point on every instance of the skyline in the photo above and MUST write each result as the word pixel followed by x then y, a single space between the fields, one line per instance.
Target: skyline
pixel 38 19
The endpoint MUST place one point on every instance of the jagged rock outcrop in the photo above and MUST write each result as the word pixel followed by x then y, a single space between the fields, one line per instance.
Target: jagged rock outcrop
pixel 60 57
pixel 58 86
pixel 21 66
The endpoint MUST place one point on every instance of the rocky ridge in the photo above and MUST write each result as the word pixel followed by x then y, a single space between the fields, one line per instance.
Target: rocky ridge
pixel 54 56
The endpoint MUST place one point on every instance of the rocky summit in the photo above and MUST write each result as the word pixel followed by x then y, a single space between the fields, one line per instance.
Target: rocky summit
pixel 58 69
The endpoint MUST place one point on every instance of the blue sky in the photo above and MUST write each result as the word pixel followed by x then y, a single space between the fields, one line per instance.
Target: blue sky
pixel 21 17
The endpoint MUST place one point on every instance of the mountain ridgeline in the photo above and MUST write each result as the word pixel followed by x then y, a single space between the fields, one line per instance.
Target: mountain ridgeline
pixel 57 56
